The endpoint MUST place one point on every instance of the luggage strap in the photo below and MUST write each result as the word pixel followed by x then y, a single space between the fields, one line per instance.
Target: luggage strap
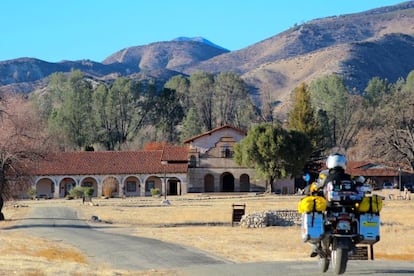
pixel 313 211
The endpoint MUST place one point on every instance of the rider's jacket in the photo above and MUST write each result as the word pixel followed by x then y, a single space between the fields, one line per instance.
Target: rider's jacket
pixel 336 175
pixel 338 184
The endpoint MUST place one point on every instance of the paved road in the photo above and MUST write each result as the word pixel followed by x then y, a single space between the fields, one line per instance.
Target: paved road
pixel 116 250
pixel 377 268
pixel 134 253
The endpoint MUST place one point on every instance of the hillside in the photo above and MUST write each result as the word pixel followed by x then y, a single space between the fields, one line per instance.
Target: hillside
pixel 338 44
pixel 160 60
pixel 174 55
pixel 359 46
pixel 390 56
pixel 314 35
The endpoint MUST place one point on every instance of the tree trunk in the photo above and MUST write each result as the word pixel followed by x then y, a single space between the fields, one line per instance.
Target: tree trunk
pixel 269 184
pixel 2 185
pixel 1 207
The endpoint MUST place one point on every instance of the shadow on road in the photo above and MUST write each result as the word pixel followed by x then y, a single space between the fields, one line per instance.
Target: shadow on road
pixel 54 222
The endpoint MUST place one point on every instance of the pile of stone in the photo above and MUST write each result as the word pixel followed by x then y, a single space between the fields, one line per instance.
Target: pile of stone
pixel 271 218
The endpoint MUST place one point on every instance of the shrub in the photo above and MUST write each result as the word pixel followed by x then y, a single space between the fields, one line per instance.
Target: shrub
pixel 76 192
pixel 88 191
pixel 31 193
pixel 155 192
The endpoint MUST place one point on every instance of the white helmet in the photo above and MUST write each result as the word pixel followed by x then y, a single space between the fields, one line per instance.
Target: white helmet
pixel 336 160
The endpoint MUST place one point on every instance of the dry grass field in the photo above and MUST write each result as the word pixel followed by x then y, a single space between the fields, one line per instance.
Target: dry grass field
pixel 199 221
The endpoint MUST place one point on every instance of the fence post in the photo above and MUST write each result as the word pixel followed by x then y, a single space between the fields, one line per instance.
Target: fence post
pixel 238 212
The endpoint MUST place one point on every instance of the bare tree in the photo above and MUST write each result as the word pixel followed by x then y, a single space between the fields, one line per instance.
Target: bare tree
pixel 267 105
pixel 395 138
pixel 22 139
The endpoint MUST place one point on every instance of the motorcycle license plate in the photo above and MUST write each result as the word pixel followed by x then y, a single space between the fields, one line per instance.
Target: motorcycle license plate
pixel 344 225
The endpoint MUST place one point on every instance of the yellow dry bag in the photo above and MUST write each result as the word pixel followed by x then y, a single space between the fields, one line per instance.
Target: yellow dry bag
pixel 312 204
pixel 371 204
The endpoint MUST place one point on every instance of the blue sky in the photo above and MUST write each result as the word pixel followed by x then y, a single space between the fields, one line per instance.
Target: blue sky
pixel 55 30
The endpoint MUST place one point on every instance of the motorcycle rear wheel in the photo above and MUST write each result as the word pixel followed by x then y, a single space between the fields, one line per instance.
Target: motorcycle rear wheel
pixel 323 264
pixel 339 259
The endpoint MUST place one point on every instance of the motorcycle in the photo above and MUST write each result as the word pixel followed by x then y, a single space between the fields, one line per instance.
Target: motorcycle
pixel 342 225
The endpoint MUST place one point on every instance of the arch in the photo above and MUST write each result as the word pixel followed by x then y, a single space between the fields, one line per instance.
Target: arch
pixel 153 182
pixel 110 186
pixel 45 188
pixel 173 186
pixel 244 183
pixel 66 185
pixel 132 186
pixel 208 183
pixel 90 182
pixel 227 182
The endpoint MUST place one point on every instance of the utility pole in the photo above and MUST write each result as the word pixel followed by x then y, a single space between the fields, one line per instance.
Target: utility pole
pixel 164 167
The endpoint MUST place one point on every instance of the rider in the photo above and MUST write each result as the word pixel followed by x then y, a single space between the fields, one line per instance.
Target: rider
pixel 336 164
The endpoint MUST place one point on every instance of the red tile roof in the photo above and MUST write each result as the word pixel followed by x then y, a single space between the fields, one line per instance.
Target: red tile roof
pixel 370 169
pixel 214 130
pixel 175 153
pixel 367 168
pixel 112 162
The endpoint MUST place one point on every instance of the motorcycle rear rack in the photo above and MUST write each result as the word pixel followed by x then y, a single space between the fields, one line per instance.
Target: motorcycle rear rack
pixel 345 235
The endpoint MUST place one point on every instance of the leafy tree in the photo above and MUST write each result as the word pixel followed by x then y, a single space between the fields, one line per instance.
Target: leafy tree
pixel 181 85
pixel 146 98
pixel 375 90
pixel 330 95
pixel 191 125
pixel 121 111
pixel 232 103
pixel 274 152
pixel 409 82
pixel 58 87
pixel 72 118
pixel 302 117
pixel 120 108
pixel 169 114
pixel 23 140
pixel 103 122
pixel 202 97
pixel 373 96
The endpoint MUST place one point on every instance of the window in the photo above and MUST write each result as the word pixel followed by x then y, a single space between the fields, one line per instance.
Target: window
pixel 150 185
pixel 193 161
pixel 87 184
pixel 226 152
pixel 131 186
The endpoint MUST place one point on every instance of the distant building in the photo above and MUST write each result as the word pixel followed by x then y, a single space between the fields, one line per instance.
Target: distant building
pixel 212 169
pixel 134 172
pixel 203 165
pixel 211 166
pixel 377 173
